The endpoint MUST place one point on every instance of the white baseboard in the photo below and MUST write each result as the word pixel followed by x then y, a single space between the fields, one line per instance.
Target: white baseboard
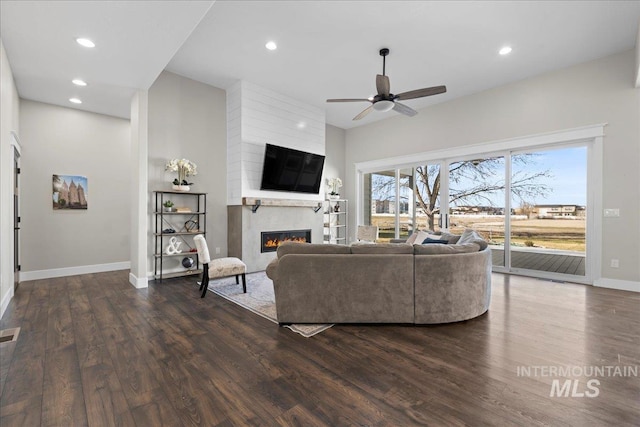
pixel 138 282
pixel 5 301
pixel 623 285
pixel 73 271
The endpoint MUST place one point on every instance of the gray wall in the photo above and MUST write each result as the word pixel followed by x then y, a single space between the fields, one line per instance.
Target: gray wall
pixel 596 92
pixel 187 119
pixel 58 140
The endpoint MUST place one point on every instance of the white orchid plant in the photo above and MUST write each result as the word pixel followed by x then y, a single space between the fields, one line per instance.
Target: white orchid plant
pixel 184 167
pixel 334 185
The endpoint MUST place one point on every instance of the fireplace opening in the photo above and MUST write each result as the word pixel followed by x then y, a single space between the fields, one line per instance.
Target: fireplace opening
pixel 272 239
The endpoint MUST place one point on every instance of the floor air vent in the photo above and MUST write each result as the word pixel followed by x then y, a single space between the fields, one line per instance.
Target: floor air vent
pixel 8 335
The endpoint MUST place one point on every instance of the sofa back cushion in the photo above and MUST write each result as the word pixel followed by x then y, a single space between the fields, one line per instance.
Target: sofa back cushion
pixel 383 248
pixel 446 249
pixel 311 248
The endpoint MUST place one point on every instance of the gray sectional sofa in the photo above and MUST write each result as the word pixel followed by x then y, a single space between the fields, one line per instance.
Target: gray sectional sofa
pixel 381 283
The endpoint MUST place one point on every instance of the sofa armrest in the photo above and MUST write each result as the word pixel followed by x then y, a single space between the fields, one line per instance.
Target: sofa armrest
pixel 272 269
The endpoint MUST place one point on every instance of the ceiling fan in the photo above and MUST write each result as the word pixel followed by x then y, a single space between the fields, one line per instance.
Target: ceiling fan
pixel 385 101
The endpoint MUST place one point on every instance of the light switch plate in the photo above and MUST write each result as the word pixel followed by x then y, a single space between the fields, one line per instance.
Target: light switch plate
pixel 611 212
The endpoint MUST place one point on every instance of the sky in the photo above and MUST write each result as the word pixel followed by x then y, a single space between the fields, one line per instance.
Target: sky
pixel 567 178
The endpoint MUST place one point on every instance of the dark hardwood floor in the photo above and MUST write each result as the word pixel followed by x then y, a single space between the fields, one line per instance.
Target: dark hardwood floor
pixel 93 350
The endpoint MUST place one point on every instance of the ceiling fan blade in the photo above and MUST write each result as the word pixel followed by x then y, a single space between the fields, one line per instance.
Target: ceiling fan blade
pixel 419 93
pixel 403 109
pixel 382 84
pixel 364 112
pixel 349 100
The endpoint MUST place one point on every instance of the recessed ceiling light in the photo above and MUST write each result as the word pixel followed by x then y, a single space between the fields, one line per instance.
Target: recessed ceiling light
pixel 505 50
pixel 79 82
pixel 75 100
pixel 271 45
pixel 85 42
pixel 301 125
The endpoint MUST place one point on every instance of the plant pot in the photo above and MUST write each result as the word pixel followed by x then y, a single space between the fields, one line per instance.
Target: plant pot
pixel 181 187
pixel 334 197
pixel 172 209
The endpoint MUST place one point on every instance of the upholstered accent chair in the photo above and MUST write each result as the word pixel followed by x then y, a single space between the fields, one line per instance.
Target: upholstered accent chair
pixel 218 268
pixel 367 233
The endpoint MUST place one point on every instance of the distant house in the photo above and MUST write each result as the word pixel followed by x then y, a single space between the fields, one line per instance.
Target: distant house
pixel 555 211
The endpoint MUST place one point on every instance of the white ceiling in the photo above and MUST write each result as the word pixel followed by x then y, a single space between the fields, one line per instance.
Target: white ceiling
pixel 327 49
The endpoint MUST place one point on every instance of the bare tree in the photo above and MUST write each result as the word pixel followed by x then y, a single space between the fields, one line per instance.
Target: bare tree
pixel 486 177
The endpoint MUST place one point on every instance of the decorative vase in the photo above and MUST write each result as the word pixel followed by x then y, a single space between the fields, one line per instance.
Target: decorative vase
pixel 181 187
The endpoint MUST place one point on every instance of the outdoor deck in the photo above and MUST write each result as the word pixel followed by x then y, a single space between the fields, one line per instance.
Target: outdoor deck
pixel 560 262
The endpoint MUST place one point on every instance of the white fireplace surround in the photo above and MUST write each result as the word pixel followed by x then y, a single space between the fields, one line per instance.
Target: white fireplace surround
pixel 257 116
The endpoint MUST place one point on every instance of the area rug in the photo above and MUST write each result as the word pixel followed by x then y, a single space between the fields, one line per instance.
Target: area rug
pixel 259 299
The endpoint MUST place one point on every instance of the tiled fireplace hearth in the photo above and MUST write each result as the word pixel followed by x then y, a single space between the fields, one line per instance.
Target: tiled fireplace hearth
pixel 270 240
pixel 254 234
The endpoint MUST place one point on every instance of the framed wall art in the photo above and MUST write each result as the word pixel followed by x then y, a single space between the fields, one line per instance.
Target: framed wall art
pixel 70 192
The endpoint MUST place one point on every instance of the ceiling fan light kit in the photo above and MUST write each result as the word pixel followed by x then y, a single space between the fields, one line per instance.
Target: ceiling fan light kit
pixel 385 100
pixel 383 105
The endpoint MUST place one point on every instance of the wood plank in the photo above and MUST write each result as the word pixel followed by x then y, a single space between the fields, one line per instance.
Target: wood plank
pixel 62 399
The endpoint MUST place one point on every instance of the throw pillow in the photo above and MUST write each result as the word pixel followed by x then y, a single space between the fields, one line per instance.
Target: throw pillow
pixel 471 236
pixel 412 239
pixel 419 237
pixel 440 241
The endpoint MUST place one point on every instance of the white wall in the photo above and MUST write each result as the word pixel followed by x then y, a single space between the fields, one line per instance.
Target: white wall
pixel 257 116
pixel 600 91
pixel 334 165
pixel 187 119
pixel 9 121
pixel 58 140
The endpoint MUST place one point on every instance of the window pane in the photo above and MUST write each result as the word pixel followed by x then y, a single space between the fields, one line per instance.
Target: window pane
pixel 549 194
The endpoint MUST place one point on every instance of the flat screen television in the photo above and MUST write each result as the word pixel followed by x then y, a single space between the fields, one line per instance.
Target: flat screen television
pixel 286 169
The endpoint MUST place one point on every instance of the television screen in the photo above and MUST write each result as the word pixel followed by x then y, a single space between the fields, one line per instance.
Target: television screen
pixel 286 169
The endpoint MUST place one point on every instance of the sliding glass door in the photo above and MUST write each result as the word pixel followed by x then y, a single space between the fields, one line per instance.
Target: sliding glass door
pixel 549 197
pixel 477 200
pixel 529 205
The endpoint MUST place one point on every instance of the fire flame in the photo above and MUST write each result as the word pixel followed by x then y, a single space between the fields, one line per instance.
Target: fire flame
pixel 274 243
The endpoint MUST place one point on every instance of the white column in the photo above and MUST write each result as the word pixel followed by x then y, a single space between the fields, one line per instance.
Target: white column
pixel 139 191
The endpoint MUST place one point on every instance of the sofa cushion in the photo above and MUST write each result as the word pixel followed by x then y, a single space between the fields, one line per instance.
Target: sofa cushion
pixel 383 248
pixel 445 249
pixel 311 248
pixel 472 236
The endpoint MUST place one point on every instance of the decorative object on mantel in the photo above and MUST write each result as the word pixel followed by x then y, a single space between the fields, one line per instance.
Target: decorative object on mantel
pixel 185 169
pixel 334 185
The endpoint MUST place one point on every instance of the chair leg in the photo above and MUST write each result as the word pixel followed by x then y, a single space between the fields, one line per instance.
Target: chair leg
pixel 244 283
pixel 205 280
pixel 237 280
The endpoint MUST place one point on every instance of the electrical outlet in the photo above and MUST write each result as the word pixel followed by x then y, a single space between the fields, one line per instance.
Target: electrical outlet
pixel 615 263
pixel 612 212
pixel 217 251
